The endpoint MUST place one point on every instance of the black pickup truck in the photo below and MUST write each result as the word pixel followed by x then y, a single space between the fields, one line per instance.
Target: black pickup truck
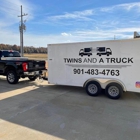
pixel 14 67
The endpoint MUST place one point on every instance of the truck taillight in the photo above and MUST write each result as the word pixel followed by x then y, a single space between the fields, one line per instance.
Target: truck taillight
pixel 25 66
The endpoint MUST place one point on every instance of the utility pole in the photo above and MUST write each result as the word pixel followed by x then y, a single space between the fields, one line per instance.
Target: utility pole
pixel 21 28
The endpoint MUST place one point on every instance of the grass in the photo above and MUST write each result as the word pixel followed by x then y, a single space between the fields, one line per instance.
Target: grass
pixel 39 56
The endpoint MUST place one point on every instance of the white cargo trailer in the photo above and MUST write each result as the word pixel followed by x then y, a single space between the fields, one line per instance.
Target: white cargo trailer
pixel 111 65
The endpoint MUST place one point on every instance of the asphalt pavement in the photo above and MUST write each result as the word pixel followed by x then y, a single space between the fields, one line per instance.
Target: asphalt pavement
pixel 39 111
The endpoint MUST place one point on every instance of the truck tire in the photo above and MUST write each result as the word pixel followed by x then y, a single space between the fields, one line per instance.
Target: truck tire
pixel 107 54
pixel 32 78
pixel 114 90
pixel 93 88
pixel 12 77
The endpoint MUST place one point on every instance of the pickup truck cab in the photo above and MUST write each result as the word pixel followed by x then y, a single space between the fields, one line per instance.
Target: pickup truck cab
pixel 14 67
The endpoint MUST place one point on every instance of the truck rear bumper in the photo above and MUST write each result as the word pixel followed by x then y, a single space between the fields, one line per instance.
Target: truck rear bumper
pixel 34 73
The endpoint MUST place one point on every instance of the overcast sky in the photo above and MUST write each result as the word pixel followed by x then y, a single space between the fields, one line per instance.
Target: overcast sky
pixel 59 21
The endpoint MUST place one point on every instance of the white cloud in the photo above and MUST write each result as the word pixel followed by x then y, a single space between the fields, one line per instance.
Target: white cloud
pixel 130 6
pixel 89 13
pixel 75 36
pixel 9 37
pixel 103 17
pixel 127 7
pixel 11 10
pixel 75 15
pixel 81 36
pixel 127 30
pixel 65 34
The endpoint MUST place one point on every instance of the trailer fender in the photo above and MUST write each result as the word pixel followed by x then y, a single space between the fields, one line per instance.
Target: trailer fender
pixel 116 81
pixel 104 82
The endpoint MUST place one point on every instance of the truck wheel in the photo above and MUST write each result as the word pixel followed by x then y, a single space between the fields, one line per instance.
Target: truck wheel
pixel 12 77
pixel 114 91
pixel 93 88
pixel 32 78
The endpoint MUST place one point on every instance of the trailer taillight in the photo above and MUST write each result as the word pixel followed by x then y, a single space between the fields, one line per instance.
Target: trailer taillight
pixel 25 66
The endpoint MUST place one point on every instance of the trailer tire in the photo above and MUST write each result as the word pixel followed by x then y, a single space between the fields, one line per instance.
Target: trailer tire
pixel 12 77
pixel 114 90
pixel 32 78
pixel 93 88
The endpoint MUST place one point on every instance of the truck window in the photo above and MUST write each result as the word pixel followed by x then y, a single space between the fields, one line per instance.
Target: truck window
pixel 87 49
pixel 101 49
pixel 10 54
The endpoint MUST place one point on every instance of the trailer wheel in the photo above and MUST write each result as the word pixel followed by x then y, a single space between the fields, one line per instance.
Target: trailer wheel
pixel 12 77
pixel 32 78
pixel 114 91
pixel 93 88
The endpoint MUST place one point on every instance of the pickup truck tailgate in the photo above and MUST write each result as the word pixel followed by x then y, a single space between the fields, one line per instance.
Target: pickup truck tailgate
pixel 34 65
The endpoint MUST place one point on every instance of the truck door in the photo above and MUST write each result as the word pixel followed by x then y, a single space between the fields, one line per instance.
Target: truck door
pixel 108 51
pixel 1 63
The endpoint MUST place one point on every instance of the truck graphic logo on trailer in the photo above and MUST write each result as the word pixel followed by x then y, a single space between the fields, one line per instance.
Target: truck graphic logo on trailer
pixel 99 50
pixel 103 51
pixel 85 51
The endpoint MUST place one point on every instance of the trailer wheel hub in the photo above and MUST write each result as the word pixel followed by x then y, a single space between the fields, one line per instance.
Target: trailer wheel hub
pixel 113 91
pixel 92 88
